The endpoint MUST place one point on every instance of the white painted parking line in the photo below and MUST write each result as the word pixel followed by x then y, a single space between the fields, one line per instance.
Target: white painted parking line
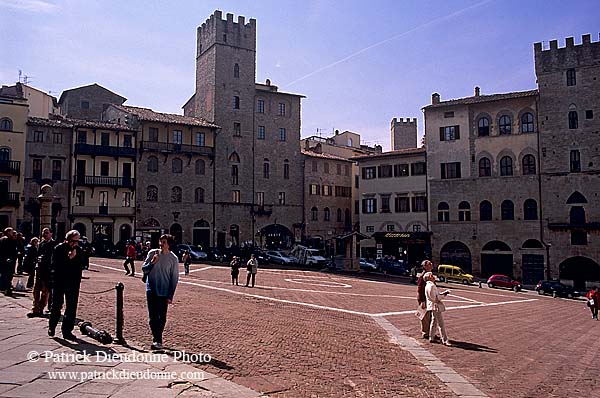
pixel 309 281
pixel 196 270
pixel 383 314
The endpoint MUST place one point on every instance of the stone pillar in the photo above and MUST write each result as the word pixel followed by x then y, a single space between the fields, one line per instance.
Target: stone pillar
pixel 45 199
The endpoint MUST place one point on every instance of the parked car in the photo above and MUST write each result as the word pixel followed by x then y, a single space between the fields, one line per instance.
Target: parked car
pixel 498 280
pixel 452 273
pixel 260 255
pixel 278 257
pixel 104 248
pixel 217 255
pixel 392 267
pixel 308 256
pixel 195 253
pixel 556 289
pixel 367 266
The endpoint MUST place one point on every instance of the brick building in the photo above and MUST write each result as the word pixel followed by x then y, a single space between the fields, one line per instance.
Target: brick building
pixel 87 102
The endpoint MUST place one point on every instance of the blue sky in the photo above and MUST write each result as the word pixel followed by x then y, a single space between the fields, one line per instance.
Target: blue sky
pixel 360 63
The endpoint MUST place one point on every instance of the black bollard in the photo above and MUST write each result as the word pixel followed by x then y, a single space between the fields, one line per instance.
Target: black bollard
pixel 100 335
pixel 119 288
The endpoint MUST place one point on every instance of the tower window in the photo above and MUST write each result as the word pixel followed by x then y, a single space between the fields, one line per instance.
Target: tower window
pixel 575 162
pixel 571 77
pixel 236 102
pixel 261 132
pixel 225 37
pixel 281 109
pixel 236 70
pixel 573 120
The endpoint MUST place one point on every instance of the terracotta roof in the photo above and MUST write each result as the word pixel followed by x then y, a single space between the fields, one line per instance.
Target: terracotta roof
pixel 483 98
pixel 408 151
pixel 149 115
pixel 324 156
pixel 38 121
pixel 70 123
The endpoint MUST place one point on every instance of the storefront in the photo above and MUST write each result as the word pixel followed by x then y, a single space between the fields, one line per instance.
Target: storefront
pixel 412 247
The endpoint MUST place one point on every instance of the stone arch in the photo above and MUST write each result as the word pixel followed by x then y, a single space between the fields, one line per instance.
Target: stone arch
pixel 490 120
pixel 81 228
pixel 151 222
pixel 499 116
pixel 532 244
pixel 580 270
pixel 519 165
pixel 234 157
pixel 276 236
pixel 520 118
pixel 124 232
pixel 456 253
pixel 496 258
pixel 201 234
pixel 576 198
pixel 177 231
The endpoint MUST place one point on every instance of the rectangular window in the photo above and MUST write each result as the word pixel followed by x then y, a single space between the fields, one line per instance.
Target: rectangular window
pixel 356 182
pixel 281 198
pixel 339 169
pixel 449 133
pixel 369 206
pixel 177 137
pixel 385 171
pixel 418 169
pixel 589 114
pixel 104 168
pixel 237 129
pixel 343 192
pixel 356 206
pixel 369 173
pixel 200 139
pixel 326 190
pixel 286 171
pixel 103 199
pixel 38 136
pixel 235 196
pixel 282 134
pixel 401 204
pixel 419 204
pixel 370 228
pixel 385 204
pixel 326 168
pixel 79 198
pixel 126 201
pixel 153 134
pixel 571 77
pixel 281 109
pixel 37 169
pixel 56 170
pixel 82 137
pixel 575 161
pixel 236 102
pixel 85 104
pixel 261 132
pixel 401 170
pixel 346 170
pixel 234 174
pixel 260 106
pixel 315 189
pixel 105 139
pixel 416 228
pixel 450 170
pixel 448 114
pixel 127 142
pixel 315 166
pixel 260 198
pixel 391 227
pixel 57 138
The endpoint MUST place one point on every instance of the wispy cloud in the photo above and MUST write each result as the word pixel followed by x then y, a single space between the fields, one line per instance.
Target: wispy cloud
pixel 29 5
pixel 363 50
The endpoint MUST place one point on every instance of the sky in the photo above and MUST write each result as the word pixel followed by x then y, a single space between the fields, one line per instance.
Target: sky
pixel 359 63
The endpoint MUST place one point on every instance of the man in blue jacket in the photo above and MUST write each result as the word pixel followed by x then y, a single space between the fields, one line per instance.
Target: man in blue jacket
pixel 161 271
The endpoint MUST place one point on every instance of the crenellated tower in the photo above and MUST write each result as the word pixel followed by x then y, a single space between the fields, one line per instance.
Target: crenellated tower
pixel 403 133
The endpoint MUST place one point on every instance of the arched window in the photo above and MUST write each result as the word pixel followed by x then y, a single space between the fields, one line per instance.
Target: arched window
pixel 506 166
pixel 314 214
pixel 236 71
pixel 505 125
pixel 234 157
pixel 153 164
pixel 339 215
pixel 530 210
pixel 6 124
pixel 443 212
pixel 266 168
pixel 485 211
pixel 4 154
pixel 347 217
pixel 200 167
pixel 199 195
pixel 528 164
pixel 464 211
pixel 326 214
pixel 152 193
pixel 349 141
pixel 483 127
pixel 577 215
pixel 573 120
pixel 507 210
pixel 177 166
pixel 527 123
pixel 485 167
pixel 176 194
pixel 286 169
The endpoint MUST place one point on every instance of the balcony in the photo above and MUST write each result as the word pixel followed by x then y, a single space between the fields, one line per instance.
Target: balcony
pixel 12 167
pixel 590 226
pixel 104 150
pixel 9 199
pixel 110 211
pixel 261 210
pixel 104 181
pixel 169 147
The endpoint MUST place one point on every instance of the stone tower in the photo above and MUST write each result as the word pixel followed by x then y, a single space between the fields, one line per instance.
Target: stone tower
pixel 403 133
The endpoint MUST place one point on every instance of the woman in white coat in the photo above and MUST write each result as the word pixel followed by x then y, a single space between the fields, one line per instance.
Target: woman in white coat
pixel 436 306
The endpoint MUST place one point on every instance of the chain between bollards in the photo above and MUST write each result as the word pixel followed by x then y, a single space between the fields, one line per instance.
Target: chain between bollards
pixel 119 288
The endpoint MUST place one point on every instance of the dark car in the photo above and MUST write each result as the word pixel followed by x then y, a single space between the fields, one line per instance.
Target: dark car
pixel 217 255
pixel 195 253
pixel 104 248
pixel 392 267
pixel 504 281
pixel 556 289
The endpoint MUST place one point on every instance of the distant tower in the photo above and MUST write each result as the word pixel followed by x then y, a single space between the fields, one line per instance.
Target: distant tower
pixel 403 133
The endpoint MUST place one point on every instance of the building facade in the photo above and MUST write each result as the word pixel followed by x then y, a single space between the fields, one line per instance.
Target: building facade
pixel 87 102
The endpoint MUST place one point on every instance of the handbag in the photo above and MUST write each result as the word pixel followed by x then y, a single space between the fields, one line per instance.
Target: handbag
pixel 591 302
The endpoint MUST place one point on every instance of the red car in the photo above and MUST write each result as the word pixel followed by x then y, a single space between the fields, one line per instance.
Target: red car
pixel 504 281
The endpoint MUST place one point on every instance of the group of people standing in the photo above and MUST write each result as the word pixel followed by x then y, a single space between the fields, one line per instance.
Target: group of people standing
pixel 251 270
pixel 431 306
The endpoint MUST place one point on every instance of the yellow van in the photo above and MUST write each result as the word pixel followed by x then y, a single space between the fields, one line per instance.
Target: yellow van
pixel 452 273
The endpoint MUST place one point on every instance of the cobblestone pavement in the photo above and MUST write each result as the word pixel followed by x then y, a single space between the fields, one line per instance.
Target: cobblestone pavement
pixel 309 334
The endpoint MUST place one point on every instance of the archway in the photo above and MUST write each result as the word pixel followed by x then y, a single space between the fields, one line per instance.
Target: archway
pixel 124 233
pixel 456 253
pixel 234 233
pixel 532 261
pixel 277 236
pixel 201 234
pixel 579 269
pixel 496 258
pixel 177 233
pixel 80 227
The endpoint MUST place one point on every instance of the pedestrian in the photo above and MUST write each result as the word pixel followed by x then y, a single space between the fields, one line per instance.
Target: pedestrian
pixel 235 270
pixel 30 260
pixel 86 251
pixel 131 253
pixel 66 269
pixel 42 285
pixel 593 301
pixel 187 260
pixel 251 269
pixel 20 253
pixel 161 271
pixel 413 274
pixel 422 300
pixel 8 259
pixel 436 306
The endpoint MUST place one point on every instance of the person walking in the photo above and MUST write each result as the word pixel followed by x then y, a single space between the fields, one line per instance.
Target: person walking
pixel 8 259
pixel 251 270
pixel 593 301
pixel 422 300
pixel 235 270
pixel 187 260
pixel 66 269
pixel 42 286
pixel 30 261
pixel 161 271
pixel 20 252
pixel 436 306
pixel 131 253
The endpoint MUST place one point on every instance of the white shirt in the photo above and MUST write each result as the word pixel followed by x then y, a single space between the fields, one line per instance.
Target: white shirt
pixel 434 298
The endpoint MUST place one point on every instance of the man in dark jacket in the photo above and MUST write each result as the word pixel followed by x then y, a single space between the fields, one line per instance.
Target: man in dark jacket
pixel 66 277
pixel 8 259
pixel 42 286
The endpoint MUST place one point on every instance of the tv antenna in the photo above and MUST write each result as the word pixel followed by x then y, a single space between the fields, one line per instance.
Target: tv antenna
pixel 25 79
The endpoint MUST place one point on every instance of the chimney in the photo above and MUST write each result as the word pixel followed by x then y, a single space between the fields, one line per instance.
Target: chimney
pixel 477 91
pixel 268 82
pixel 435 98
